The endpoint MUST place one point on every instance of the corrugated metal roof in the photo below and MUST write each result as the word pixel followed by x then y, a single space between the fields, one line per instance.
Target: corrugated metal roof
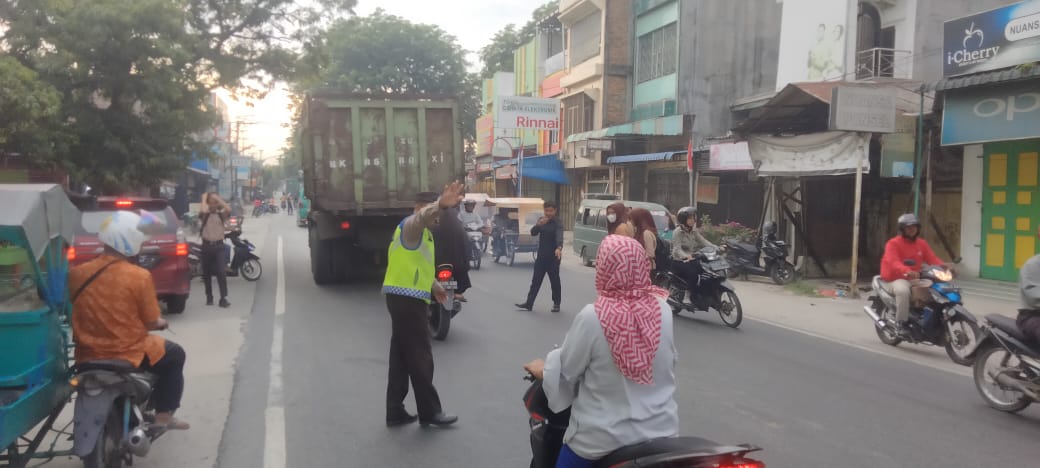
pixel 633 158
pixel 993 77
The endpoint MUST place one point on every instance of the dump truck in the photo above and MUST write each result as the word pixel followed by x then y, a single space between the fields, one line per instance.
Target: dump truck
pixel 365 158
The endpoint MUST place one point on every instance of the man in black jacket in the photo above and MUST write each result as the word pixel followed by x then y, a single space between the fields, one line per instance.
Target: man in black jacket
pixel 550 250
pixel 453 248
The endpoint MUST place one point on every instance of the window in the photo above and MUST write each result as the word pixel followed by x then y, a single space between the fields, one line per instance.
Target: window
pixel 601 218
pixel 578 115
pixel 657 53
pixel 585 38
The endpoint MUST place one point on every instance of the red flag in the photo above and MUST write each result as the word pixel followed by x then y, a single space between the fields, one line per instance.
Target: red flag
pixel 689 156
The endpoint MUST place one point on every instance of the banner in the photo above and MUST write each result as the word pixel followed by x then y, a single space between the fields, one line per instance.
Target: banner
pixel 977 115
pixel 812 41
pixel 994 39
pixel 516 112
pixel 730 157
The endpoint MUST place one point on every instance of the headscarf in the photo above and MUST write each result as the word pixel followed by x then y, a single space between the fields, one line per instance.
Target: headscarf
pixel 627 307
pixel 622 216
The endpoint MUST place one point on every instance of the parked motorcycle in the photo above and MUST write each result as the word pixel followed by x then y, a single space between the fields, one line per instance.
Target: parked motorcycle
pixel 478 244
pixel 114 416
pixel 713 291
pixel 440 315
pixel 942 321
pixel 242 261
pixel 548 428
pixel 1007 367
pixel 744 259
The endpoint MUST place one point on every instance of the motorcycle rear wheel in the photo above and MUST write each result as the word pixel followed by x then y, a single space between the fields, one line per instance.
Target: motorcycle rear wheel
pixel 782 273
pixel 1011 401
pixel 439 321
pixel 886 335
pixel 106 453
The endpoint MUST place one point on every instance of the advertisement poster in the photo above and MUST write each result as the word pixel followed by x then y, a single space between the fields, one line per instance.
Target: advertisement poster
pixel 812 41
pixel 708 190
pixel 993 39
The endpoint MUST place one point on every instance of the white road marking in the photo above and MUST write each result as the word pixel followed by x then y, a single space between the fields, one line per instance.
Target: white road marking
pixel 274 415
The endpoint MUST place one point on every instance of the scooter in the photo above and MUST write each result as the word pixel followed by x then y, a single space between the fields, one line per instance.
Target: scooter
pixel 548 428
pixel 243 260
pixel 943 321
pixel 713 291
pixel 440 315
pixel 114 417
pixel 745 260
pixel 1007 367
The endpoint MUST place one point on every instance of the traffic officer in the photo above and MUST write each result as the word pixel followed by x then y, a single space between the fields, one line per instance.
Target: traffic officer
pixel 410 277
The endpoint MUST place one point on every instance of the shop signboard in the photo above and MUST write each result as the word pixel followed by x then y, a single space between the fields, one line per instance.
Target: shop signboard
pixel 730 157
pixel 527 113
pixel 993 113
pixel 999 38
pixel 863 109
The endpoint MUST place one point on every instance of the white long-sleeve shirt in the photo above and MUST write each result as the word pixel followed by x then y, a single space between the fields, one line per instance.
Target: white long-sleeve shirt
pixel 608 411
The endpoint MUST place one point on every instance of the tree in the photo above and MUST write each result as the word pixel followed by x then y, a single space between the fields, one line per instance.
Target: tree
pixel 29 110
pixel 134 75
pixel 498 55
pixel 387 54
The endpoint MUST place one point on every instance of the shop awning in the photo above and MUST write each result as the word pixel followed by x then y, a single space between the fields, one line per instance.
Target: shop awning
pixel 670 125
pixel 637 158
pixel 547 167
pixel 993 77
pixel 814 154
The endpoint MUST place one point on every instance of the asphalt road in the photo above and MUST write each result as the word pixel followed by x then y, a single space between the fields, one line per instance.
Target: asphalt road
pixel 809 402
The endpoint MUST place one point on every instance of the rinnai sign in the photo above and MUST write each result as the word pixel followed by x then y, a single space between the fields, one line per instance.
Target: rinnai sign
pixel 527 113
pixel 999 38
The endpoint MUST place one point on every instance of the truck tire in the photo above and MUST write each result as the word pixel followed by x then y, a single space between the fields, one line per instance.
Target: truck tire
pixel 322 259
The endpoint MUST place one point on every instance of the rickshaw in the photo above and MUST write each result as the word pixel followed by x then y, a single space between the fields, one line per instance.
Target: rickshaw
pixel 513 220
pixel 36 229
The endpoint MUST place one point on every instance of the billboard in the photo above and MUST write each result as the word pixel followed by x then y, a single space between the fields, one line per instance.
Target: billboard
pixel 516 112
pixel 983 114
pixel 485 133
pixel 999 38
pixel 812 41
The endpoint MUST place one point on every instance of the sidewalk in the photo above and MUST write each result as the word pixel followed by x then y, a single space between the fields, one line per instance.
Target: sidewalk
pixel 835 319
pixel 211 338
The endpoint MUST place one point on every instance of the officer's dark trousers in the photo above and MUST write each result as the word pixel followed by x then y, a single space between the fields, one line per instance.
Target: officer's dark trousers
pixel 411 358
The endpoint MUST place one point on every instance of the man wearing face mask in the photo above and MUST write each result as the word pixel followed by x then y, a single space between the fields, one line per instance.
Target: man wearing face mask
pixel 686 242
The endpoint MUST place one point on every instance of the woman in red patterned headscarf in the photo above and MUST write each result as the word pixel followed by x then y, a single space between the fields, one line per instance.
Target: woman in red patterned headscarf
pixel 616 368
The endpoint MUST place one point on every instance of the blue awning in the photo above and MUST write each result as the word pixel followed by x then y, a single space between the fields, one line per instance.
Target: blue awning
pixel 634 158
pixel 547 167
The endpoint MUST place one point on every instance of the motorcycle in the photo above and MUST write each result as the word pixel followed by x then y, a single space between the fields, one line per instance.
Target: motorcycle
pixel 440 315
pixel 713 291
pixel 114 417
pixel 942 321
pixel 1007 368
pixel 243 261
pixel 744 259
pixel 478 244
pixel 548 428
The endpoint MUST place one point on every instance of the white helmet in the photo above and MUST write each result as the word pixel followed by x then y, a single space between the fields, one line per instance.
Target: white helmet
pixel 122 233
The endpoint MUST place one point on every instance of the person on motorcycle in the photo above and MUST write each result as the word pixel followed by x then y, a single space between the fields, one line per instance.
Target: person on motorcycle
pixel 449 235
pixel 686 242
pixel 898 277
pixel 1029 286
pixel 114 308
pixel 616 368
pixel 469 215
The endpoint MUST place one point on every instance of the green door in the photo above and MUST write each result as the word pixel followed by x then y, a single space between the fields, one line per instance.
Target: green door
pixel 1010 208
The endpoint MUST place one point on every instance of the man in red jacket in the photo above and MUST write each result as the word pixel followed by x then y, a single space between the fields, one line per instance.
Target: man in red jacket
pixel 900 278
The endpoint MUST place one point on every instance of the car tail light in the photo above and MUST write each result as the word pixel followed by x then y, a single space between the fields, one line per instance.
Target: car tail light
pixel 345 225
pixel 71 254
pixel 124 203
pixel 182 250
pixel 444 275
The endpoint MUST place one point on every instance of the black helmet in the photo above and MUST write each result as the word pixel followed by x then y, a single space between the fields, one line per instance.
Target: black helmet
pixel 686 213
pixel 769 228
pixel 470 202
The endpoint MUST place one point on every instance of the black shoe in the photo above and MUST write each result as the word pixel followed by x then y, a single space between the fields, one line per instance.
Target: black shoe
pixel 556 308
pixel 439 420
pixel 224 303
pixel 524 307
pixel 400 419
pixel 209 301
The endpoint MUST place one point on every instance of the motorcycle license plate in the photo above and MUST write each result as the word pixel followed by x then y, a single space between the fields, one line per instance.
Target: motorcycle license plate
pixel 719 265
pixel 450 285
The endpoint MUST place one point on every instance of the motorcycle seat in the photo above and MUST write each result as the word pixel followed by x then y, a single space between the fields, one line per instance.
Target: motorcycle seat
pixel 656 447
pixel 111 365
pixel 1007 325
pixel 743 246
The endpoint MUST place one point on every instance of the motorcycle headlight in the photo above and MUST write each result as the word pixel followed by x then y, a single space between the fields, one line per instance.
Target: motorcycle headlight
pixel 943 275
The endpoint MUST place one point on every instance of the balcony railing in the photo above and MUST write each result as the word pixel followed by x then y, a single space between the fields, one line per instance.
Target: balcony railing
pixel 882 63
pixel 555 63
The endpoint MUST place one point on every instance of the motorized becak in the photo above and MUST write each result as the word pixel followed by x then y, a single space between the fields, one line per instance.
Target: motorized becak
pixel 714 291
pixel 941 320
pixel 511 232
pixel 1007 365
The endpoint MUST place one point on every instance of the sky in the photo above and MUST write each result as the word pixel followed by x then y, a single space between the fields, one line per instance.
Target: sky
pixel 473 23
